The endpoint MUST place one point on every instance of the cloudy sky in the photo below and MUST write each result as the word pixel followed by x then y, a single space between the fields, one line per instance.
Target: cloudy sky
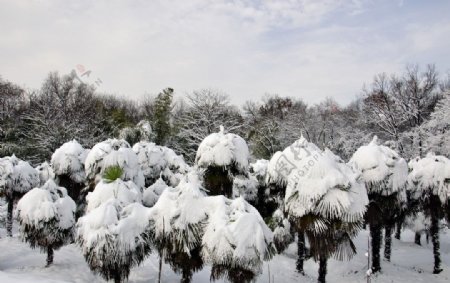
pixel 246 48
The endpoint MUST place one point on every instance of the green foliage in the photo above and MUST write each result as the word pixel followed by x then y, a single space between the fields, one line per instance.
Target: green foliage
pixel 161 116
pixel 112 173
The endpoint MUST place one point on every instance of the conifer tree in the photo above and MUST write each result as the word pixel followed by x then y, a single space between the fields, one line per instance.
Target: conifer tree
pixel 161 116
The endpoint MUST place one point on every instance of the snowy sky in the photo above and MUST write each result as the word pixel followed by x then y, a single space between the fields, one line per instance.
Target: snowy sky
pixel 308 49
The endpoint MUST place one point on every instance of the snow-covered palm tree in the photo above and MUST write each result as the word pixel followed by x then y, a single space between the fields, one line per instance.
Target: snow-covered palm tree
pixel 159 161
pixel 266 202
pixel 68 165
pixel 191 227
pixel 113 234
pixel 236 240
pixel 108 153
pixel 178 219
pixel 326 199
pixel 16 178
pixel 46 216
pixel 222 156
pixel 385 174
pixel 429 182
pixel 282 168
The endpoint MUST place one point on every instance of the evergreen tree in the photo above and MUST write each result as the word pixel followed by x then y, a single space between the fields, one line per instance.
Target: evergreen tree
pixel 161 116
pixel 47 216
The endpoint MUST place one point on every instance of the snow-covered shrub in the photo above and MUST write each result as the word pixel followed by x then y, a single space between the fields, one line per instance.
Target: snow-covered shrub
pixel 68 165
pixel 46 173
pixel 429 183
pixel 326 200
pixel 46 216
pixel 222 156
pixel 113 152
pixel 113 234
pixel 236 240
pixel 385 174
pixel 16 178
pixel 152 193
pixel 282 236
pixel 141 132
pixel 159 161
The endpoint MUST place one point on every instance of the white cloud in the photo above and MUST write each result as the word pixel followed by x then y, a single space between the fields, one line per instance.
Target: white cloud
pixel 309 49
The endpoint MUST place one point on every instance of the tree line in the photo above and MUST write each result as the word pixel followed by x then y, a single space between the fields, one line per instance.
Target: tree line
pixel 402 109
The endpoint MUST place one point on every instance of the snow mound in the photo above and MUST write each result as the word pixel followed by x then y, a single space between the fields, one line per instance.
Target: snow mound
pixel 113 152
pixel 69 160
pixel 430 174
pixel 224 150
pixel 383 170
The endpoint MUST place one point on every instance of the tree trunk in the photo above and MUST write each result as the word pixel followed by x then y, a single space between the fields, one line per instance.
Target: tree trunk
pixel 322 269
pixel 117 278
pixel 375 234
pixel 398 230
pixel 434 230
pixel 49 255
pixel 388 242
pixel 417 237
pixel 9 219
pixel 300 251
pixel 186 276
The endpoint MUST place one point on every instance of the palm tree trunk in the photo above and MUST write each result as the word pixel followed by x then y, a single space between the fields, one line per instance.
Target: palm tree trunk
pixel 322 269
pixel 9 219
pixel 375 234
pixel 417 237
pixel 49 255
pixel 434 230
pixel 387 242
pixel 186 276
pixel 300 251
pixel 398 230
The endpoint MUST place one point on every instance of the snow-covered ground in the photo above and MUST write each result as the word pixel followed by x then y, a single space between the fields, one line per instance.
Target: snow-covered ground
pixel 410 263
